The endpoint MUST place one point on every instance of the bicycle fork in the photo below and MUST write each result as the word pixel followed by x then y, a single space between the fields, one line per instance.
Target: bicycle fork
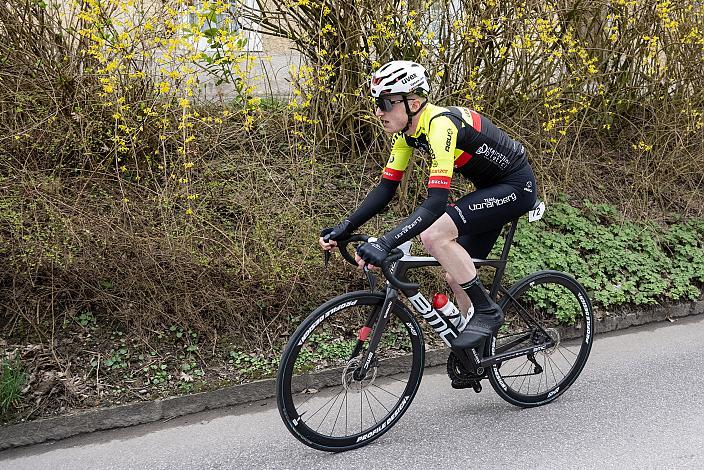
pixel 381 320
pixel 442 326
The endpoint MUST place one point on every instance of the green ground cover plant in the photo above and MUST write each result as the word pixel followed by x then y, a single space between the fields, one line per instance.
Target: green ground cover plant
pixel 621 263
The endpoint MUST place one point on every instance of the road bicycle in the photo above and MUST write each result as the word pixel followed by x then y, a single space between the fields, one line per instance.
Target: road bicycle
pixel 353 366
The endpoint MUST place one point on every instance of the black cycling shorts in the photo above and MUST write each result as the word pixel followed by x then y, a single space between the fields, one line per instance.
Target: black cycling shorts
pixel 480 215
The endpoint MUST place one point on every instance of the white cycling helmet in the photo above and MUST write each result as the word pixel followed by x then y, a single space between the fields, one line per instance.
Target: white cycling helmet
pixel 400 77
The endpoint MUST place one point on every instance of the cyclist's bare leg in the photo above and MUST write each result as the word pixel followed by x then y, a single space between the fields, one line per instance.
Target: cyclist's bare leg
pixel 463 302
pixel 440 240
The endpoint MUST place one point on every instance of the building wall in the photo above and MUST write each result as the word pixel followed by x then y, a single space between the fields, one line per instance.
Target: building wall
pixel 270 70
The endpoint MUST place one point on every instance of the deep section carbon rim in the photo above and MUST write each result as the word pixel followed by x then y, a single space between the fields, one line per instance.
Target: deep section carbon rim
pixel 549 312
pixel 321 397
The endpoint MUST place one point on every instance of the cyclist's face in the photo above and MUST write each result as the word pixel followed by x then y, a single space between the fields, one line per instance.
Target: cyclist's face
pixel 392 112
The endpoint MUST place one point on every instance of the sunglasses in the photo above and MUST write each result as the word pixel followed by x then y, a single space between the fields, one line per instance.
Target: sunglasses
pixel 386 104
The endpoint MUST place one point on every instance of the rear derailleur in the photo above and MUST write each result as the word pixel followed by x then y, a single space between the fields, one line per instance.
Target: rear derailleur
pixel 461 377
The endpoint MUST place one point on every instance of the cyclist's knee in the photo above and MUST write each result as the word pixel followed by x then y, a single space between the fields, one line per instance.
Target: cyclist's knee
pixel 435 237
pixel 428 237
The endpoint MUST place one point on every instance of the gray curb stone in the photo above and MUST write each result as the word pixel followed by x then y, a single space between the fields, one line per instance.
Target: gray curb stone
pixel 61 427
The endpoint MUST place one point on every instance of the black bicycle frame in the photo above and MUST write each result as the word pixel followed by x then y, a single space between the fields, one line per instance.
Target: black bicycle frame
pixel 445 329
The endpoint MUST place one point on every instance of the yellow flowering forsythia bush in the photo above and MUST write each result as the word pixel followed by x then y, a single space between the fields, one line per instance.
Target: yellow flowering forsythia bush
pixel 588 85
pixel 116 81
pixel 107 146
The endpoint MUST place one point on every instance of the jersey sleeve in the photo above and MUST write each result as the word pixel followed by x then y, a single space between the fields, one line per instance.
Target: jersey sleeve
pixel 398 160
pixel 442 139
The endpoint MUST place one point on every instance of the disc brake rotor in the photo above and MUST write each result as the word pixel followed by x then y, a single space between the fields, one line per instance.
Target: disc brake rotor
pixel 353 385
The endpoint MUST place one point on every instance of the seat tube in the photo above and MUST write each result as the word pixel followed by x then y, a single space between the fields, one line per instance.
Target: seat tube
pixel 508 240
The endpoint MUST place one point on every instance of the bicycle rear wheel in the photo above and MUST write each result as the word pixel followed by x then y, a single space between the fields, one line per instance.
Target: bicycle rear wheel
pixel 320 399
pixel 544 306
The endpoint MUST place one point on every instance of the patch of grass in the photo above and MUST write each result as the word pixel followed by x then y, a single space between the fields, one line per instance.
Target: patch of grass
pixel 12 379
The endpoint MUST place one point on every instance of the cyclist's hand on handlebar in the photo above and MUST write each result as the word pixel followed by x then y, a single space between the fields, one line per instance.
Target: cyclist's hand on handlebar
pixel 329 236
pixel 327 245
pixel 361 263
pixel 373 252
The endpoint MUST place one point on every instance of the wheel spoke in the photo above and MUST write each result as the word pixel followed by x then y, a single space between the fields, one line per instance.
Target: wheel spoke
pixel 344 399
pixel 549 361
pixel 334 399
pixel 558 367
pixel 569 351
pixel 377 400
pixel 370 405
pixel 361 414
pixel 384 390
pixel 512 373
pixel 560 350
pixel 523 366
pixel 331 407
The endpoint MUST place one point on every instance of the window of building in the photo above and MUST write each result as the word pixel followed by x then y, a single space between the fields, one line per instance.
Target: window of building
pixel 232 20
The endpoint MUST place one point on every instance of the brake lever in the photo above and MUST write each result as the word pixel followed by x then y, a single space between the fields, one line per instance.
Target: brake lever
pixel 327 253
pixel 371 278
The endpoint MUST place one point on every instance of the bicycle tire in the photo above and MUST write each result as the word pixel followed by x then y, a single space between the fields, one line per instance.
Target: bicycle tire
pixel 334 326
pixel 537 305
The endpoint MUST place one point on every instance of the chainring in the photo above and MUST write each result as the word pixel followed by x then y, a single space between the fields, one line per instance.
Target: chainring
pixel 461 377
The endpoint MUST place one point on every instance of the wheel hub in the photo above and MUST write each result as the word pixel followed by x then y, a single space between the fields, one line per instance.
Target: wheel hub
pixel 550 334
pixel 351 371
pixel 555 337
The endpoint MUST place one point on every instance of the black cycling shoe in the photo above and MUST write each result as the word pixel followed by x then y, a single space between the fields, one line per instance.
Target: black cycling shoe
pixel 480 327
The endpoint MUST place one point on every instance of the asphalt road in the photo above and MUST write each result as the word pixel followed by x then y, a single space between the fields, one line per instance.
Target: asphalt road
pixel 638 404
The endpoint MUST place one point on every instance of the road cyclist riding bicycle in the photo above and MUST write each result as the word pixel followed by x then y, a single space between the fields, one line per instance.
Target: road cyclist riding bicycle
pixel 353 366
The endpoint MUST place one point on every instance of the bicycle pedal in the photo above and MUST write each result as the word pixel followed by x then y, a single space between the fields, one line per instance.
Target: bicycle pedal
pixel 459 385
pixel 462 384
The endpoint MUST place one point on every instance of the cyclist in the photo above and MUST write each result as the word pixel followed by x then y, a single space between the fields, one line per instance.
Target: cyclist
pixel 456 140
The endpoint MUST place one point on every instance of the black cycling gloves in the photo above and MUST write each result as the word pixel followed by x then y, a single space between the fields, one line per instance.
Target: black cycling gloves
pixel 375 252
pixel 371 252
pixel 340 231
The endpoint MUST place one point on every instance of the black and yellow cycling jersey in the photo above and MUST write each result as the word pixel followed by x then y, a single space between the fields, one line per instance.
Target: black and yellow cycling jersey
pixel 457 139
pixel 463 141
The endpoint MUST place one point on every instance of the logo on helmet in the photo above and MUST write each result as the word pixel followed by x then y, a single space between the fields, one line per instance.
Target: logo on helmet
pixel 409 78
pixel 376 81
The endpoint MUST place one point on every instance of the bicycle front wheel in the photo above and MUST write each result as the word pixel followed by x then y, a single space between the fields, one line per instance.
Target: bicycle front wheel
pixel 322 399
pixel 545 308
